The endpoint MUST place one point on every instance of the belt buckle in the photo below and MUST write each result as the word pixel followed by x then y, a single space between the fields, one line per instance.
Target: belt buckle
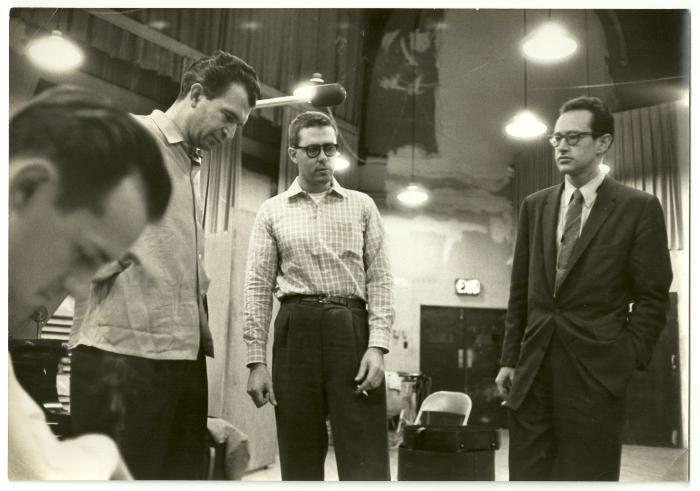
pixel 325 298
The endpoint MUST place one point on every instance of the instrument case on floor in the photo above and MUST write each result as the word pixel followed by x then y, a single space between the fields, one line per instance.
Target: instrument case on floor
pixel 448 453
pixel 444 438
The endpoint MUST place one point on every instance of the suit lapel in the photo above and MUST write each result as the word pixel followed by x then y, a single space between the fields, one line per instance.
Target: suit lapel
pixel 604 205
pixel 550 217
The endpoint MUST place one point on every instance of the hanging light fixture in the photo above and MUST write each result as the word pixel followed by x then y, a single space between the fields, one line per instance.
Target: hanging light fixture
pixel 55 53
pixel 340 163
pixel 549 43
pixel 413 195
pixel 526 124
pixel 604 168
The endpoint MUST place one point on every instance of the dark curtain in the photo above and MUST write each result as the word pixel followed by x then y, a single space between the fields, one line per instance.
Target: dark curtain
pixel 285 46
pixel 645 155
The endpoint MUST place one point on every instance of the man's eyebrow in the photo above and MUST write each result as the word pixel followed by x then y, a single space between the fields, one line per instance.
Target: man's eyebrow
pixel 231 114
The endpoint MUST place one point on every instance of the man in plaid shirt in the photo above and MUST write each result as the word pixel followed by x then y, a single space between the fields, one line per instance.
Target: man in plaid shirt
pixel 320 249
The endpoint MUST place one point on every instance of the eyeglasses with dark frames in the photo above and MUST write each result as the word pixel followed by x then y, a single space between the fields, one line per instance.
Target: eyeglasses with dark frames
pixel 313 151
pixel 572 138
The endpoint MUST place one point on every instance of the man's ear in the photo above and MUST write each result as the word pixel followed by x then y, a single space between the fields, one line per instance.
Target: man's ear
pixel 604 142
pixel 196 92
pixel 292 154
pixel 27 179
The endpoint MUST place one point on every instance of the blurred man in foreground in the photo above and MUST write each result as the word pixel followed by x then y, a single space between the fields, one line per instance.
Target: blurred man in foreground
pixel 84 180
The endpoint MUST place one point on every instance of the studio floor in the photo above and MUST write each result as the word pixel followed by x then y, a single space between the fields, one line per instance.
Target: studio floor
pixel 639 464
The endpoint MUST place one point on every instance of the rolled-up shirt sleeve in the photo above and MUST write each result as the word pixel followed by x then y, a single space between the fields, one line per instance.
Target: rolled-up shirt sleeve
pixel 380 300
pixel 261 271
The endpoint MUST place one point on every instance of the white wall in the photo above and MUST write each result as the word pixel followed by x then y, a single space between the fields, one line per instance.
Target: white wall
pixel 427 255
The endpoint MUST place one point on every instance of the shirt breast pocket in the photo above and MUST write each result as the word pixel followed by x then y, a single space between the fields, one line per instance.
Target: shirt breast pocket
pixel 347 239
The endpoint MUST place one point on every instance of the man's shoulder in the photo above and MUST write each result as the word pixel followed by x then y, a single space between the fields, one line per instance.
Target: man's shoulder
pixel 360 197
pixel 147 121
pixel 627 192
pixel 542 194
pixel 275 202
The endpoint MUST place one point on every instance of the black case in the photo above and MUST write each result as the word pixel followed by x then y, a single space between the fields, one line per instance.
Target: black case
pixel 444 438
pixel 448 453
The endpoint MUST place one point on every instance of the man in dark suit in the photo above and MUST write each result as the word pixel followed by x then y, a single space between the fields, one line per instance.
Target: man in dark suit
pixel 588 297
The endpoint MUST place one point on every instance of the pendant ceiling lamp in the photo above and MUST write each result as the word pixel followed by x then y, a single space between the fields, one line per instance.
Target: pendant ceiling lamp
pixel 525 124
pixel 413 195
pixel 340 163
pixel 549 43
pixel 55 53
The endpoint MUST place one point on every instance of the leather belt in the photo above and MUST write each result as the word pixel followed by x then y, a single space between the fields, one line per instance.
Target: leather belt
pixel 321 299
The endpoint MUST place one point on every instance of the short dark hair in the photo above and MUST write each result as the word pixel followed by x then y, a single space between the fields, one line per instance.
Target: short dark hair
pixel 93 144
pixel 217 72
pixel 308 119
pixel 602 121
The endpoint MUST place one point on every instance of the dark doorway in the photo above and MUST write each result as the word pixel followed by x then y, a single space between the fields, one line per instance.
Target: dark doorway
pixel 654 396
pixel 459 350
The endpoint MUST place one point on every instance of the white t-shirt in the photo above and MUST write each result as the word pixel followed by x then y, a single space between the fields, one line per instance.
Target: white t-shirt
pixel 34 452
pixel 317 197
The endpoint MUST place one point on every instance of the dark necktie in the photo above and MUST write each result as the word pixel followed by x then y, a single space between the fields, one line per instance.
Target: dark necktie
pixel 572 228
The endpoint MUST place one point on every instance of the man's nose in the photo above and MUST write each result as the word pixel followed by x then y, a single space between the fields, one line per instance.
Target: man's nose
pixel 230 132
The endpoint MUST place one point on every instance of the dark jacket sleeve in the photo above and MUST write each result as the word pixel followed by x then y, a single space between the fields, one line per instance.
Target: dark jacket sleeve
pixel 516 318
pixel 650 279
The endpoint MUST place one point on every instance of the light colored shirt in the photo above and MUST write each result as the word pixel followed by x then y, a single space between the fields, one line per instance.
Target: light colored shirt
pixel 34 452
pixel 589 191
pixel 335 247
pixel 149 303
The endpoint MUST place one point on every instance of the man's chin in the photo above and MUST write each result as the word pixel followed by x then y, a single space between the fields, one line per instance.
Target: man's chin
pixel 565 168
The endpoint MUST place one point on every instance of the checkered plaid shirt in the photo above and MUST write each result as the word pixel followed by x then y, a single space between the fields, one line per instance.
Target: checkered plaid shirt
pixel 299 247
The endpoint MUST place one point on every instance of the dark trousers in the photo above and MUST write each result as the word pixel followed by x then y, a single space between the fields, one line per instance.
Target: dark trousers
pixel 156 410
pixel 316 354
pixel 569 427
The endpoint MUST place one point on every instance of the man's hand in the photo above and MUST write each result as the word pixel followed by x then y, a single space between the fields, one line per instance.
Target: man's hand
pixel 504 380
pixel 371 371
pixel 260 385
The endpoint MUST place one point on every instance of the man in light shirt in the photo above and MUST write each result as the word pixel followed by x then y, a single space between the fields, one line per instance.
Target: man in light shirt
pixel 320 249
pixel 84 180
pixel 586 249
pixel 139 341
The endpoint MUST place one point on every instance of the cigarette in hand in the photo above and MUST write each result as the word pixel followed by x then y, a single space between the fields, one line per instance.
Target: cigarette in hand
pixel 361 392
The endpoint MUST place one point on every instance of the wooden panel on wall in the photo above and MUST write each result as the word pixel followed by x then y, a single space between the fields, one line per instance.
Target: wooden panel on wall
pixel 228 376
